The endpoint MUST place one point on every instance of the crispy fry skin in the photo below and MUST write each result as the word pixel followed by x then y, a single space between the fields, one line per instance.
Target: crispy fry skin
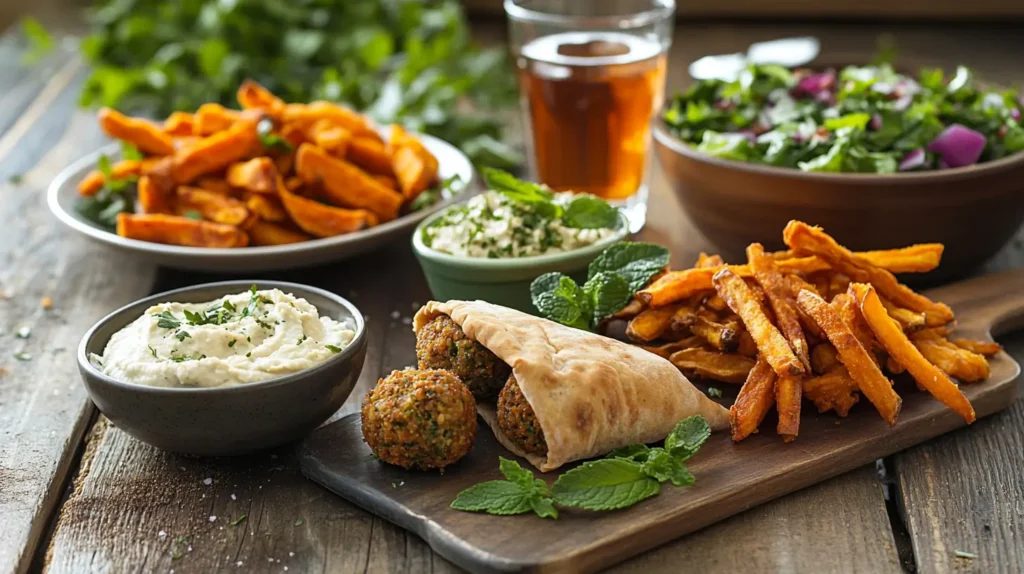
pixel 211 118
pixel 909 321
pixel 788 391
pixel 345 184
pixel 808 240
pixel 984 348
pixel 668 349
pixel 747 347
pixel 919 258
pixel 834 390
pixel 966 366
pixel 265 233
pixel 332 138
pixel 651 324
pixel 143 134
pixel 770 343
pixel 302 115
pixel 267 207
pixel 258 175
pixel 705 364
pixel 323 220
pixel 152 199
pixel 721 337
pixel 755 399
pixel 824 358
pixel 900 348
pixel 705 260
pixel 180 124
pixel 632 309
pixel 780 298
pixel 854 357
pixel 214 184
pixel 371 155
pixel 846 307
pixel 251 95
pixel 175 230
pixel 414 166
pixel 211 205
pixel 216 152
pixel 94 181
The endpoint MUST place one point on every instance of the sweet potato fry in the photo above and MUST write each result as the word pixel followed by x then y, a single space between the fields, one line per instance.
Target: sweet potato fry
pixel 265 233
pixel 668 349
pixel 292 184
pixel 909 321
pixel 285 164
pixel 753 402
pixel 678 285
pixel 414 166
pixel 152 199
pixel 346 185
pixel 214 184
pixel 705 364
pixel 175 230
pixel 837 283
pixel 143 134
pixel 807 240
pixel 211 118
pixel 746 347
pixel 371 155
pixel 966 366
pixel 323 220
pixel 651 324
pixel 721 337
pixel 716 303
pixel 854 357
pixel 705 260
pixel 770 343
pixel 180 124
pixel 214 153
pixel 893 367
pixel 900 348
pixel 984 348
pixel 251 95
pixel 788 390
pixel 846 307
pixel 257 175
pixel 94 181
pixel 332 138
pixel 266 207
pixel 834 390
pixel 824 358
pixel 780 298
pixel 387 181
pixel 211 205
pixel 919 258
pixel 303 115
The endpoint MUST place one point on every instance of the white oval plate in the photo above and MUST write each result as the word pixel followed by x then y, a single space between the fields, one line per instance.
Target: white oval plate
pixel 63 194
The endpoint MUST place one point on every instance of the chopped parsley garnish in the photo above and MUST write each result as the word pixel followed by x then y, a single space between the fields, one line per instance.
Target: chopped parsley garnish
pixel 238 520
pixel 249 354
pixel 302 339
pixel 166 320
pixel 333 348
pixel 15 179
pixel 714 392
pixel 299 522
pixel 182 335
pixel 232 342
pixel 22 356
pixel 152 351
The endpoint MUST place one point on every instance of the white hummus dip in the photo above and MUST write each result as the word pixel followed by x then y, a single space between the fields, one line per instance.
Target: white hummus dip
pixel 237 339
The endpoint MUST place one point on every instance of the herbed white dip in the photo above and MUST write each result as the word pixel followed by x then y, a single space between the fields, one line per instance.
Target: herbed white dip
pixel 491 225
pixel 233 340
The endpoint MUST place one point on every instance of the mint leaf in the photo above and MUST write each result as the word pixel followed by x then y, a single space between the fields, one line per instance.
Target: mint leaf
pixel 605 484
pixel 104 166
pixel 128 151
pixel 544 507
pixel 516 474
pixel 589 212
pixel 687 437
pixel 493 497
pixel 609 293
pixel 515 188
pixel 637 452
pixel 560 299
pixel 661 466
pixel 635 262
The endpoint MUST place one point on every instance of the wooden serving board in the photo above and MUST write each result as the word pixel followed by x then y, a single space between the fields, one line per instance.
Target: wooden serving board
pixel 730 477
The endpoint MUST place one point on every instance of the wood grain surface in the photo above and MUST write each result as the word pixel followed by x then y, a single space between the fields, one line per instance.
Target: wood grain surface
pixel 123 491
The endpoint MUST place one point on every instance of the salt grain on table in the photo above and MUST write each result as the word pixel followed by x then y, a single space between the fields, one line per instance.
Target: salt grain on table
pixel 213 519
pixel 207 481
pixel 233 497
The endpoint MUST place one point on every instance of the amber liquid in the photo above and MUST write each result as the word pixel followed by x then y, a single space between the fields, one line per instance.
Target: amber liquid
pixel 588 100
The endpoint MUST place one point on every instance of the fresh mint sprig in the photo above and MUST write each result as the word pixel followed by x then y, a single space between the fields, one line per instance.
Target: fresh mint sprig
pixel 625 477
pixel 583 212
pixel 613 278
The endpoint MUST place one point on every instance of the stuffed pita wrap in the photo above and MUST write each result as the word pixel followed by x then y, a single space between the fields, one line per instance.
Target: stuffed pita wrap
pixel 590 394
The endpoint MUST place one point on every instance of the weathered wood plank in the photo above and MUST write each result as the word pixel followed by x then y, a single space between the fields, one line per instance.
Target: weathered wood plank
pixel 964 493
pixel 43 408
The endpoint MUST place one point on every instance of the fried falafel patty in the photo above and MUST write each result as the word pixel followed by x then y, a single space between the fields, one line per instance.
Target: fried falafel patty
pixel 517 421
pixel 420 419
pixel 441 344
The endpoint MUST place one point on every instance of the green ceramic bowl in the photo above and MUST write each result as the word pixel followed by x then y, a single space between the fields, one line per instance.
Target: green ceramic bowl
pixel 500 281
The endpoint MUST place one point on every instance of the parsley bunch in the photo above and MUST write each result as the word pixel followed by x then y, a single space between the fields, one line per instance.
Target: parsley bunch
pixel 623 478
pixel 612 280
pixel 406 61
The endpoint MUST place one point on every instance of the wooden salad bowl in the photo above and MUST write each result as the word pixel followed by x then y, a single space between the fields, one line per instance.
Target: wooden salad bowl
pixel 973 210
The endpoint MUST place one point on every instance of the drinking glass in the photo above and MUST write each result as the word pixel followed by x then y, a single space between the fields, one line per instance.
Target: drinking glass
pixel 591 77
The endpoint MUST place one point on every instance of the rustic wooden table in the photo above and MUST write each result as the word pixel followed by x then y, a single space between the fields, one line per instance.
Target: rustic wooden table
pixel 78 495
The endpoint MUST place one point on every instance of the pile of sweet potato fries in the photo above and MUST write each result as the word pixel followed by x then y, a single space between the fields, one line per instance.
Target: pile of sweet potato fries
pixel 816 321
pixel 268 174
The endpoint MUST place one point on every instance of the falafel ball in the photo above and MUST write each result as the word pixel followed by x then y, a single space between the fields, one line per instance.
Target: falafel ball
pixel 420 419
pixel 517 421
pixel 441 344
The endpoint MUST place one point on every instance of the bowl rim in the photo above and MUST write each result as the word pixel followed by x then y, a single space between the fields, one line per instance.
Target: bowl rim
pixel 77 168
pixel 350 350
pixel 421 249
pixel 879 181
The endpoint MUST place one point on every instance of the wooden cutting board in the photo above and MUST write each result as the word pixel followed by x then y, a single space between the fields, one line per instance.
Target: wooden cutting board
pixel 730 477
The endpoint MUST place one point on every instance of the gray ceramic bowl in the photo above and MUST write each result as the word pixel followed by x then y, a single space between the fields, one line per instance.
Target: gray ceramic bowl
pixel 229 420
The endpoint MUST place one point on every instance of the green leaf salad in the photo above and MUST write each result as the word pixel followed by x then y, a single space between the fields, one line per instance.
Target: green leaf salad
pixel 868 119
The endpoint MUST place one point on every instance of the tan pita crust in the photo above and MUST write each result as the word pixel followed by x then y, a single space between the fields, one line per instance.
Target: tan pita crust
pixel 591 394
